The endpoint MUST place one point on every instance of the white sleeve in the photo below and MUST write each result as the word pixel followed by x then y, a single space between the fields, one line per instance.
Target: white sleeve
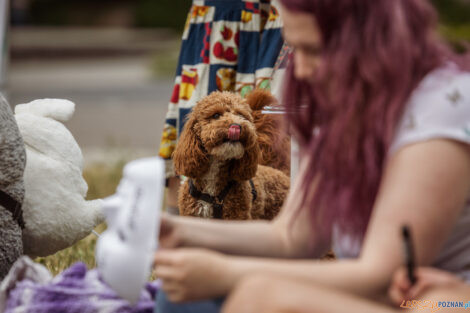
pixel 439 108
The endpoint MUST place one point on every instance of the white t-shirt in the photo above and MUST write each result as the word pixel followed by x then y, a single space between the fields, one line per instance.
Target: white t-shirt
pixel 438 108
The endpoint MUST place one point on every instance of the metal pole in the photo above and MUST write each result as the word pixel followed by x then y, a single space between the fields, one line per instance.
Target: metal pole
pixel 4 22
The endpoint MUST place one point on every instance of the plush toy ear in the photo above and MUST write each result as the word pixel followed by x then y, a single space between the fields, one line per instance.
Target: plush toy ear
pixel 245 168
pixel 189 157
pixel 58 109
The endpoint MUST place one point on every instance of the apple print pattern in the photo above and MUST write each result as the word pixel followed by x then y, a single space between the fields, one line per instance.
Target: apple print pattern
pixel 229 45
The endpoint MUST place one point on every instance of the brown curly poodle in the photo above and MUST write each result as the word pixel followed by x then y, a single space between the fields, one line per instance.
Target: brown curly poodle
pixel 229 151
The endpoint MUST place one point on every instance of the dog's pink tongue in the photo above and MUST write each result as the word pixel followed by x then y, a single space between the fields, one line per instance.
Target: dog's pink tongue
pixel 234 133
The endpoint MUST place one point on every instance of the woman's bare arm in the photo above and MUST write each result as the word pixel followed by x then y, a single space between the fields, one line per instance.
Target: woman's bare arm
pixel 425 186
pixel 190 273
pixel 253 238
pixel 278 294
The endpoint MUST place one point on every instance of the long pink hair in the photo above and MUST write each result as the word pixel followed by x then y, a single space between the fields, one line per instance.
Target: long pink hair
pixel 374 54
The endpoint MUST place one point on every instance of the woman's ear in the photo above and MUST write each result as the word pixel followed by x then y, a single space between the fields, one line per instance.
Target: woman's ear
pixel 189 157
pixel 245 168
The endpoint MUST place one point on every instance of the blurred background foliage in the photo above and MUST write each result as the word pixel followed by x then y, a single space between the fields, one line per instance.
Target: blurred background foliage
pixel 162 13
pixel 455 14
pixel 454 21
pixel 126 13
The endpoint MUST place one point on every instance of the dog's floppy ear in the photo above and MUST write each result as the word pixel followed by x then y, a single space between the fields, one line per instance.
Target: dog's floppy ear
pixel 189 157
pixel 245 168
pixel 259 98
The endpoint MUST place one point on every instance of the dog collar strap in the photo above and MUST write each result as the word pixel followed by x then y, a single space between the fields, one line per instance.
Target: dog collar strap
pixel 13 206
pixel 253 191
pixel 217 201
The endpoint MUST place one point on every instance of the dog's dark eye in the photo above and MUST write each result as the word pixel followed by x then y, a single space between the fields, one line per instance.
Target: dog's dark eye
pixel 215 116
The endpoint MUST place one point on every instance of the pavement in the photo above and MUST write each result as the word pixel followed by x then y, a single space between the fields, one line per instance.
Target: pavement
pixel 120 104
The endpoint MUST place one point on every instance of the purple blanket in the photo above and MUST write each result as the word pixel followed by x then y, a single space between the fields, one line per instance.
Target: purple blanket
pixel 76 290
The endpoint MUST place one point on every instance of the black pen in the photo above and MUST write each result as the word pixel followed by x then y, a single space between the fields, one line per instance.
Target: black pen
pixel 409 254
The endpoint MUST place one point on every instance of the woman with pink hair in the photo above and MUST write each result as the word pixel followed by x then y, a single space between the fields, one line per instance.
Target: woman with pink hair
pixel 381 110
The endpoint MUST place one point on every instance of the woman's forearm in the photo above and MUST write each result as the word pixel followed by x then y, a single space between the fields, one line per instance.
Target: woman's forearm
pixel 263 293
pixel 253 238
pixel 289 235
pixel 350 276
pixel 321 300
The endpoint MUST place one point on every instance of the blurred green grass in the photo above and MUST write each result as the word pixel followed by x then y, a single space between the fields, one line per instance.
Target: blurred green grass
pixel 164 64
pixel 457 36
pixel 102 181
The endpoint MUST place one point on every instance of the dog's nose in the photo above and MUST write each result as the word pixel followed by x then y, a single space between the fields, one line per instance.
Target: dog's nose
pixel 234 132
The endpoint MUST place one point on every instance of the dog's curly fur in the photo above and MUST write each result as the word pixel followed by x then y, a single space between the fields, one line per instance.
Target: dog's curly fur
pixel 205 154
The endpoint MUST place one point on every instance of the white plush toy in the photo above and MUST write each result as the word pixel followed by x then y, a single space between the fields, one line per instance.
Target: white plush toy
pixel 54 208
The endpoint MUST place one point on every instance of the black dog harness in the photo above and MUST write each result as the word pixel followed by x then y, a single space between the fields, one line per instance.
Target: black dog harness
pixel 218 201
pixel 13 206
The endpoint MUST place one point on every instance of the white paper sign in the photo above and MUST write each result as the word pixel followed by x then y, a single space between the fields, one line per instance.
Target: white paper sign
pixel 124 252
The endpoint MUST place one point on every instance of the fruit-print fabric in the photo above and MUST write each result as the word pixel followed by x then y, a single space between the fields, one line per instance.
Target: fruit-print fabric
pixel 228 45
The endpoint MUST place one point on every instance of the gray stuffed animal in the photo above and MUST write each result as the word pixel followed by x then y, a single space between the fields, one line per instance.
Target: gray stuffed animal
pixel 12 164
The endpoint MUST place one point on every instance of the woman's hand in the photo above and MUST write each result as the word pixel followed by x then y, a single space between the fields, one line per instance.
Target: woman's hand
pixel 169 237
pixel 426 278
pixel 192 274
